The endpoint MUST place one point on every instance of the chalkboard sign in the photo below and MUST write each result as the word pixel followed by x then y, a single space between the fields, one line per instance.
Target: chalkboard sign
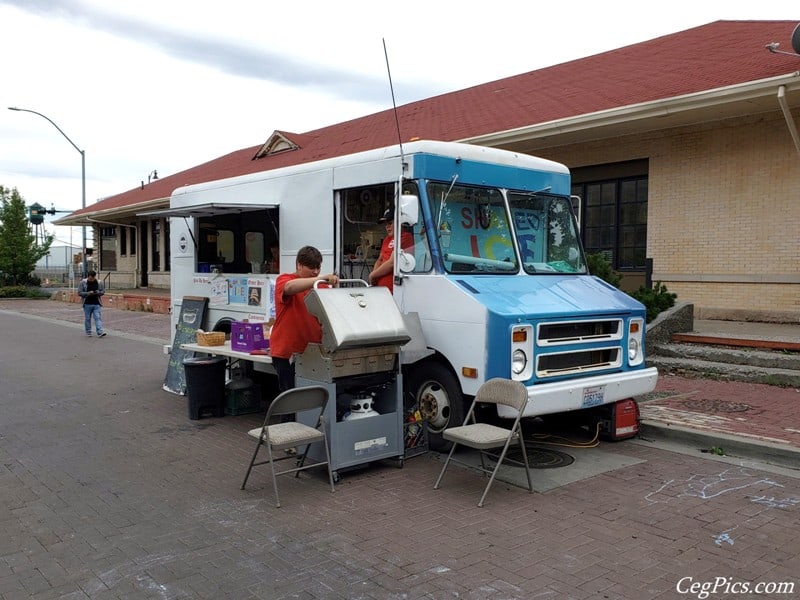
pixel 193 312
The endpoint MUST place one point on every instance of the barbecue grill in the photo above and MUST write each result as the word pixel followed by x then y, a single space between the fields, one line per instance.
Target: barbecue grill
pixel 358 358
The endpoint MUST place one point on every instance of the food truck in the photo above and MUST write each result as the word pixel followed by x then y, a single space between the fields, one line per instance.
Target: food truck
pixel 495 284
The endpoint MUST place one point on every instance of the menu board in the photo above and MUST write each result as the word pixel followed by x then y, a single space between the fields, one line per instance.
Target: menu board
pixel 193 312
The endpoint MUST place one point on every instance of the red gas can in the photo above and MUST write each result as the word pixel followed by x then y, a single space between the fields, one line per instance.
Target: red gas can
pixel 620 420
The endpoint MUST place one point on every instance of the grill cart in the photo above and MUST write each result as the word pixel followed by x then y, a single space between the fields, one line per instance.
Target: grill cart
pixel 358 362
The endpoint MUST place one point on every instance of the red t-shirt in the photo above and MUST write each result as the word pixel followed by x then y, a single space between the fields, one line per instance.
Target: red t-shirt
pixel 294 326
pixel 387 247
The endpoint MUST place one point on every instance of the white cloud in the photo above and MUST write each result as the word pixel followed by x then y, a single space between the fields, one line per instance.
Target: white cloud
pixel 167 85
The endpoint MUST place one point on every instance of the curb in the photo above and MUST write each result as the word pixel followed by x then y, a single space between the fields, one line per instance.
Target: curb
pixel 735 447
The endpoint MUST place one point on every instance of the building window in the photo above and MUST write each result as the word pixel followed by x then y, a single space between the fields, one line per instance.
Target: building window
pixel 108 248
pixel 614 214
pixel 123 241
pixel 155 245
pixel 133 242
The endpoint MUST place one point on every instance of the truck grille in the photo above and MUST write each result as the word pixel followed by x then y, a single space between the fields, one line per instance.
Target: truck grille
pixel 601 341
pixel 572 332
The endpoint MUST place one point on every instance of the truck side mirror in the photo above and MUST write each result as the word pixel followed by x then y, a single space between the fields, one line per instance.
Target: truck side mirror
pixel 409 209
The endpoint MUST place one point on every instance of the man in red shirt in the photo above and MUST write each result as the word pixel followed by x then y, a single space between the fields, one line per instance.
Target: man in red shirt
pixel 294 326
pixel 383 271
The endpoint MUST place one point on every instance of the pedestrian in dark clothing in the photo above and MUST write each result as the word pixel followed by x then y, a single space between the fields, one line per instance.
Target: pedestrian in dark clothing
pixel 91 290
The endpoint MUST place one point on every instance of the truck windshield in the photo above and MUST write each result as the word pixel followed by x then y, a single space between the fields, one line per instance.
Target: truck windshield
pixel 546 233
pixel 473 229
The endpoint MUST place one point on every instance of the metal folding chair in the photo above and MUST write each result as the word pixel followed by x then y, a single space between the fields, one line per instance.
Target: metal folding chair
pixel 485 436
pixel 283 436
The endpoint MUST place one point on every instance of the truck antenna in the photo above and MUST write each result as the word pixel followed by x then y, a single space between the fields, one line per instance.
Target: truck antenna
pixel 394 104
pixel 399 192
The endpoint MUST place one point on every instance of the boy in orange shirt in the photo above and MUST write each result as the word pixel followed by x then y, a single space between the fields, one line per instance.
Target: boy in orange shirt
pixel 294 326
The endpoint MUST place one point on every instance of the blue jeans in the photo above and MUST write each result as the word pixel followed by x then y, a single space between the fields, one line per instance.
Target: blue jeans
pixel 95 310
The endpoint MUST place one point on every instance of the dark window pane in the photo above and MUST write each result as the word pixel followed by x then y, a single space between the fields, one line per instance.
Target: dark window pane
pixel 627 192
pixel 615 220
pixel 608 215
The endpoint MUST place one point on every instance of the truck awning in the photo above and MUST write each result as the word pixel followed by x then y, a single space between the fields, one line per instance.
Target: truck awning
pixel 209 209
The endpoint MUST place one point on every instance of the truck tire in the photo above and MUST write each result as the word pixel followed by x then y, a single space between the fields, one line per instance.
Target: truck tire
pixel 437 393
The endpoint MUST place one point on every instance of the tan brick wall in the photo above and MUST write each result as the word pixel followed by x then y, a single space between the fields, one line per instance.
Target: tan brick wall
pixel 723 212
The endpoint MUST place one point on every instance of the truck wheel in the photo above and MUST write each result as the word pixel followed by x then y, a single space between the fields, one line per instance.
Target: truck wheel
pixel 437 393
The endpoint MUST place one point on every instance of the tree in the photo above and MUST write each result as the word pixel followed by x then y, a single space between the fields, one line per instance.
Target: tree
pixel 18 249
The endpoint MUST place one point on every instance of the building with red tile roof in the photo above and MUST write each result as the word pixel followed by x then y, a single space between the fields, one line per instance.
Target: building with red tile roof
pixel 684 149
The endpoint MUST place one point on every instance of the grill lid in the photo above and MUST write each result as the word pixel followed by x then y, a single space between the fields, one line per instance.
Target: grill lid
pixel 357 317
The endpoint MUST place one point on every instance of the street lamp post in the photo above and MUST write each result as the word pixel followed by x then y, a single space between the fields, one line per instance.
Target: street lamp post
pixel 83 172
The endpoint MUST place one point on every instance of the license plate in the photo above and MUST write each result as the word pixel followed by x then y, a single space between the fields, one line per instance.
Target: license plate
pixel 593 396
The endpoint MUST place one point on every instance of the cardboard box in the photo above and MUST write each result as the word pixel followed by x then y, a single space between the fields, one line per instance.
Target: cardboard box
pixel 246 336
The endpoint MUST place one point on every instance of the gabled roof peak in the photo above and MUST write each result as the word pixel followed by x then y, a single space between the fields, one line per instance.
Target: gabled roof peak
pixel 279 141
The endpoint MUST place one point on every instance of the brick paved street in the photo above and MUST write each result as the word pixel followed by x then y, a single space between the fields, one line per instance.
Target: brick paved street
pixel 109 491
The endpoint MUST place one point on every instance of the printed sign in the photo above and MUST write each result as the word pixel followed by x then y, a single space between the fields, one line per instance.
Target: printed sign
pixel 237 290
pixel 193 312
pixel 219 292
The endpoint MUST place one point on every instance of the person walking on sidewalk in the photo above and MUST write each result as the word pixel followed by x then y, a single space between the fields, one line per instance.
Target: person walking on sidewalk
pixel 91 290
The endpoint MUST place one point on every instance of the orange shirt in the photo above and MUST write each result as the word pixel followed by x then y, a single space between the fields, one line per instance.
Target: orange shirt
pixel 387 247
pixel 294 326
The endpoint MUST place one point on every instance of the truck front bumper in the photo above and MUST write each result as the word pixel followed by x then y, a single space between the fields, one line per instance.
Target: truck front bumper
pixel 563 396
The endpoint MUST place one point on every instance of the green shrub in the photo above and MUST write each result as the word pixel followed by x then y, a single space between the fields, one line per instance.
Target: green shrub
pixel 21 280
pixel 656 299
pixel 600 267
pixel 20 291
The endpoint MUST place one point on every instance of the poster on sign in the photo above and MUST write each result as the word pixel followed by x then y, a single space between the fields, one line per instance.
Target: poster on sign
pixel 237 290
pixel 530 233
pixel 477 235
pixel 477 231
pixel 219 292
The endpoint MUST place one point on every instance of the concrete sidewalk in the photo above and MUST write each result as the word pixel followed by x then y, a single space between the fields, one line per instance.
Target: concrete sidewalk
pixel 127 323
pixel 738 418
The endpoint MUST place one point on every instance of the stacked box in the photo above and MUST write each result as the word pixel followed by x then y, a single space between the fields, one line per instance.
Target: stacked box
pixel 246 336
pixel 243 401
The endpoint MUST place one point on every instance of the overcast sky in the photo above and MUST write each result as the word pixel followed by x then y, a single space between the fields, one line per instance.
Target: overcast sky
pixel 165 85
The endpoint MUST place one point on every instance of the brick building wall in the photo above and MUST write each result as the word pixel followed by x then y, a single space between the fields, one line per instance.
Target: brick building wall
pixel 723 213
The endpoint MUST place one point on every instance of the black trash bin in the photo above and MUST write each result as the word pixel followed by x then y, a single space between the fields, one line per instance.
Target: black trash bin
pixel 205 385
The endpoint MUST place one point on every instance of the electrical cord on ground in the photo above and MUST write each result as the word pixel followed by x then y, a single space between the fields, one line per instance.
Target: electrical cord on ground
pixel 541 438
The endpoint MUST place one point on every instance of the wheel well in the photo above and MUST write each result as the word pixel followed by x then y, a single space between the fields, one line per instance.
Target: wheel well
pixel 224 324
pixel 436 358
pixel 411 370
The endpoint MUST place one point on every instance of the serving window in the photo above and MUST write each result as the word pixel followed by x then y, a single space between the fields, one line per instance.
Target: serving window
pixel 238 242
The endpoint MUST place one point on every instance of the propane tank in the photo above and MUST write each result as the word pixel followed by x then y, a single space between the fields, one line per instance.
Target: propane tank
pixel 361 407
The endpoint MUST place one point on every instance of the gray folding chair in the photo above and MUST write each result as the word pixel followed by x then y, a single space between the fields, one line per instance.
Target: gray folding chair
pixel 484 436
pixel 283 436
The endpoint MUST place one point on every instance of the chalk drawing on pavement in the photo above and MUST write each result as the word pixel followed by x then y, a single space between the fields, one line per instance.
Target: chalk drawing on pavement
pixel 710 486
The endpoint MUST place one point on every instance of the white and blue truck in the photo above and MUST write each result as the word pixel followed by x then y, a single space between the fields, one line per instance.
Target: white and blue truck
pixel 496 284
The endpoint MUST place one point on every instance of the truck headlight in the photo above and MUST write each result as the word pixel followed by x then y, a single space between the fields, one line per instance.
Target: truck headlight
pixel 633 350
pixel 518 361
pixel 635 342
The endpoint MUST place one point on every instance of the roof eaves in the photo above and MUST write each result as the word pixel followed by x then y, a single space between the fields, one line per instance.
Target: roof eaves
pixel 89 216
pixel 647 110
